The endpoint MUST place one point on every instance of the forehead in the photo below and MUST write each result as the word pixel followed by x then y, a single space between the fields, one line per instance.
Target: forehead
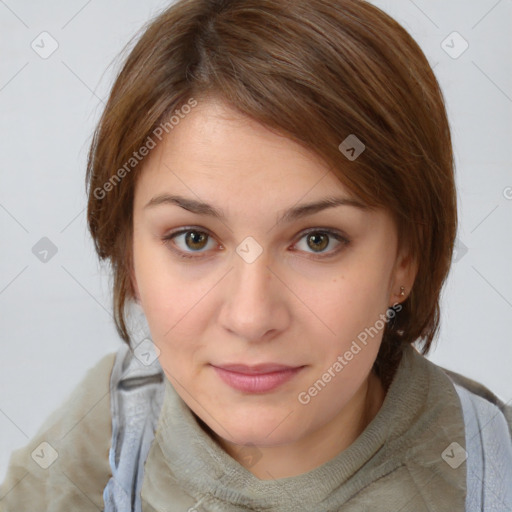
pixel 216 148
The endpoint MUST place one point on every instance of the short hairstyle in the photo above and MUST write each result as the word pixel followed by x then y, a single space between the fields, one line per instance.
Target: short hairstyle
pixel 316 71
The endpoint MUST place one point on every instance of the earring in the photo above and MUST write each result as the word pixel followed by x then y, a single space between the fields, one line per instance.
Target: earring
pixel 402 291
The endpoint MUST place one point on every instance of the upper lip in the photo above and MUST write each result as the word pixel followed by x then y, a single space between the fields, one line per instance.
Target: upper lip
pixel 256 369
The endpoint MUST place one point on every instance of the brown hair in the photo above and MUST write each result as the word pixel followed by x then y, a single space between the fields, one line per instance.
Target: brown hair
pixel 316 71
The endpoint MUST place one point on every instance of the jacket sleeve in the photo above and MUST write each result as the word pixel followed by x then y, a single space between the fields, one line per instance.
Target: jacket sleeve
pixel 65 466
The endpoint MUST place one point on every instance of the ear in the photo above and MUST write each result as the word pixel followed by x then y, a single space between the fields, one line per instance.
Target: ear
pixel 404 274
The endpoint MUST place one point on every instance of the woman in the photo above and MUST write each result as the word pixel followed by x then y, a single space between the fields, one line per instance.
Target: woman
pixel 273 185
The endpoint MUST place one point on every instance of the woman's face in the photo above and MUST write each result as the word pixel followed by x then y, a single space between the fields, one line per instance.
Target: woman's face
pixel 262 281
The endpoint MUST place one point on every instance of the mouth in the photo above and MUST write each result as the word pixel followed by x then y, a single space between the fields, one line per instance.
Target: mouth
pixel 261 378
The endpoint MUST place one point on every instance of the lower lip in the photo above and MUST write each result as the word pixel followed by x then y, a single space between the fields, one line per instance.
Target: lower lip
pixel 260 383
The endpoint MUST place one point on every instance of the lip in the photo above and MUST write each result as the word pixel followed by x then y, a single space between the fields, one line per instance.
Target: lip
pixel 261 378
pixel 256 369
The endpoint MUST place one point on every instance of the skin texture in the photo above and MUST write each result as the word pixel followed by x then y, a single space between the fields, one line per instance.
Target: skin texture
pixel 288 306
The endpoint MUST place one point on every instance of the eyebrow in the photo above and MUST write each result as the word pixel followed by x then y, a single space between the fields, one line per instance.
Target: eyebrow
pixel 292 214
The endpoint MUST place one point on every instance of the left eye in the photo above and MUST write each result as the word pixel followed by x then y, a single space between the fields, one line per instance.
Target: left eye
pixel 319 240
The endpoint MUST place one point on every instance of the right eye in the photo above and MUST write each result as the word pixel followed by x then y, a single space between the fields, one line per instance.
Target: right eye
pixel 185 242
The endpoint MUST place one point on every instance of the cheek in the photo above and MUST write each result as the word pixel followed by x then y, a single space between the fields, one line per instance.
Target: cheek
pixel 173 304
pixel 157 279
pixel 161 296
pixel 347 304
pixel 344 353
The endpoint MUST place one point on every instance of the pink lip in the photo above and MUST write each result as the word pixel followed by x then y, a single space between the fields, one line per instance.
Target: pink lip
pixel 256 379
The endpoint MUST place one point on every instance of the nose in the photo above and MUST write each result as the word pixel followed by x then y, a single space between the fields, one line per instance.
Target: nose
pixel 254 307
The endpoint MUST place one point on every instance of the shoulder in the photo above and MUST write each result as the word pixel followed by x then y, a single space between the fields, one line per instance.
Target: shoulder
pixel 65 465
pixel 484 401
pixel 488 450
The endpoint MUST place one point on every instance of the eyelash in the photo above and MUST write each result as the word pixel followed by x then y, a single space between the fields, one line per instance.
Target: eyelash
pixel 167 240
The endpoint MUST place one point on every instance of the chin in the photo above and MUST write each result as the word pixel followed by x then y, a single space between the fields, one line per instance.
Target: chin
pixel 260 431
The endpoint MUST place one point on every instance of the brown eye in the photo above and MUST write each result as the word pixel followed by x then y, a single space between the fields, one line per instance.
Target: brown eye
pixel 195 240
pixel 186 242
pixel 317 241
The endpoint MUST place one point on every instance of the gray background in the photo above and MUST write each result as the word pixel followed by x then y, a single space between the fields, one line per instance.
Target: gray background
pixel 56 316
